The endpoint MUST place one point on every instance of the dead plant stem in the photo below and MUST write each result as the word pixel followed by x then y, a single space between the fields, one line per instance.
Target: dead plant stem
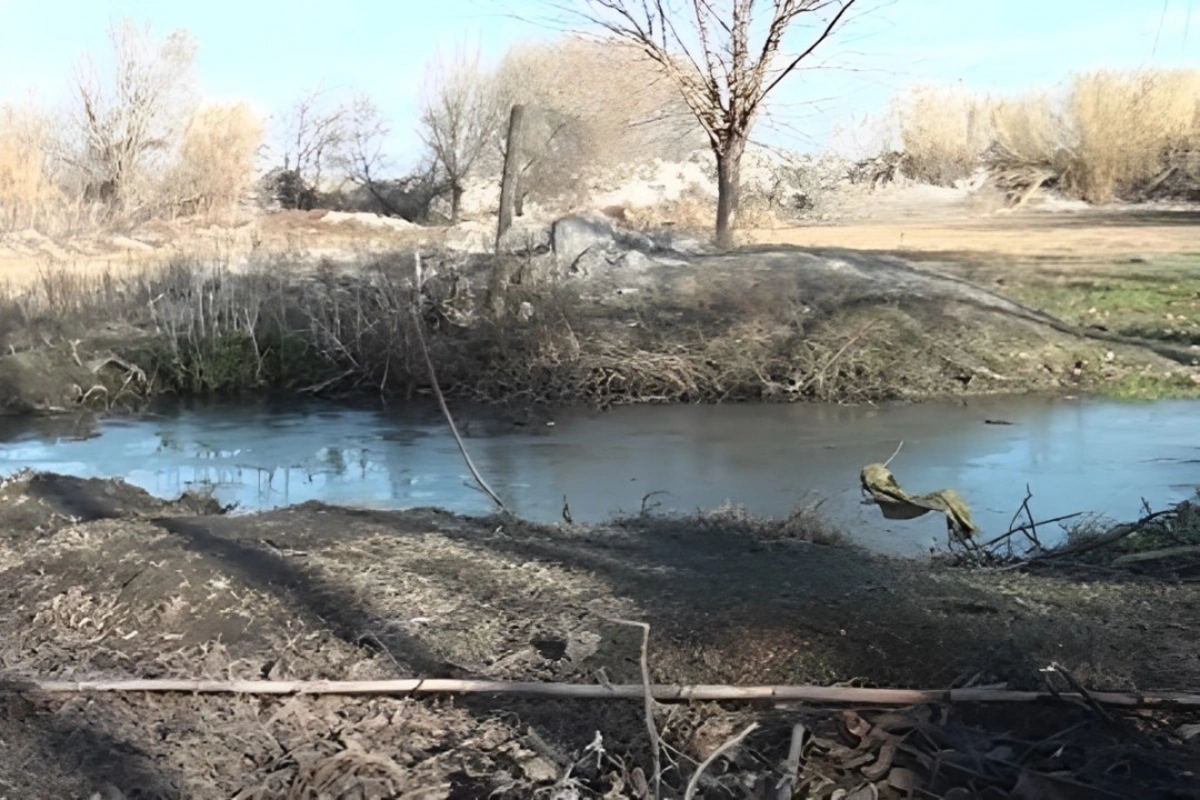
pixel 437 390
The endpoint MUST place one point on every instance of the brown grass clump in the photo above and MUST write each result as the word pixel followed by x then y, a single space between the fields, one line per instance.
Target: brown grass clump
pixel 1126 123
pixel 1108 136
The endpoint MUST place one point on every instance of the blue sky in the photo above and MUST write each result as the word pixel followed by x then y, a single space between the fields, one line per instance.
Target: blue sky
pixel 270 51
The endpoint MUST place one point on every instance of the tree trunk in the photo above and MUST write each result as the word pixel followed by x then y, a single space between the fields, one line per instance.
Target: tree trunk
pixel 729 189
pixel 456 196
pixel 508 183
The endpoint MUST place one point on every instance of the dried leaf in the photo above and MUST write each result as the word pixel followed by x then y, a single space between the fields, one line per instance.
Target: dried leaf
pixel 887 754
pixel 902 780
pixel 641 787
pixel 855 725
pixel 865 792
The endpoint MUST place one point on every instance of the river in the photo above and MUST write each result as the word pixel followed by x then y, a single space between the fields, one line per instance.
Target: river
pixel 1074 454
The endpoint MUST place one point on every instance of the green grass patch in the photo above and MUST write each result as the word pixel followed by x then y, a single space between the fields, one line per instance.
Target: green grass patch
pixel 1157 299
pixel 1152 387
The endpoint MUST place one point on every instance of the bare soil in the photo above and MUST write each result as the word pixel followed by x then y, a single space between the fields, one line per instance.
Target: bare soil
pixel 100 580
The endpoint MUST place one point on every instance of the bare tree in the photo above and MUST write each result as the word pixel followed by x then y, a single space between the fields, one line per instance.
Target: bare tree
pixel 120 123
pixel 364 163
pixel 313 131
pixel 360 156
pixel 724 56
pixel 460 115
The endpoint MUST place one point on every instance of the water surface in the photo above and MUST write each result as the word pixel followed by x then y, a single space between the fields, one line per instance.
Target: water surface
pixel 1075 455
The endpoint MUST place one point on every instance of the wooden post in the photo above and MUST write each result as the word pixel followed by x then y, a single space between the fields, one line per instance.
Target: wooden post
pixel 512 172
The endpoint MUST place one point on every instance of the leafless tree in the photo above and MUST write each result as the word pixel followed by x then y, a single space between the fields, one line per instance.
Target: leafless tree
pixel 724 56
pixel 119 123
pixel 360 155
pixel 460 115
pixel 313 132
pixel 364 163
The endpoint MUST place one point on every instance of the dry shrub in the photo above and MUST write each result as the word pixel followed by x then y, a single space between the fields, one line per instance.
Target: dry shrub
pixel 1126 124
pixel 1110 134
pixel 1033 129
pixel 945 130
pixel 216 160
pixel 27 195
pixel 596 106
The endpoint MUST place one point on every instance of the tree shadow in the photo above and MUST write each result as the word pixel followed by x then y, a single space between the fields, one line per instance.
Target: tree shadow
pixel 56 751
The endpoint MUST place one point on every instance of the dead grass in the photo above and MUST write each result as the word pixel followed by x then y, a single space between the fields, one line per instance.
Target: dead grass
pixel 215 163
pixel 944 132
pixel 1106 137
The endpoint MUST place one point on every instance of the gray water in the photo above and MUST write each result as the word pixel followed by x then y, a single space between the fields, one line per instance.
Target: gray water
pixel 1075 455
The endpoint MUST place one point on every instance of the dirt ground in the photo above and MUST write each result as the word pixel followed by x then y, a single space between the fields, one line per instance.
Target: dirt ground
pixel 100 580
pixel 1091 234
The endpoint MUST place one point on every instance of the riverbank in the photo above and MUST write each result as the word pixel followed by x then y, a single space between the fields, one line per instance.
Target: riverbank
pixel 104 581
pixel 623 320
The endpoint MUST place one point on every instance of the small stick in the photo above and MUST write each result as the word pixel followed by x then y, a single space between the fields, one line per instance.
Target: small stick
pixel 694 783
pixel 787 786
pixel 893 456
pixel 1009 533
pixel 648 699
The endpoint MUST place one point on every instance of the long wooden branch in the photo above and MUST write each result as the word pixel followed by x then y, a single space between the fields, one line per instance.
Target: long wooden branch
pixel 629 691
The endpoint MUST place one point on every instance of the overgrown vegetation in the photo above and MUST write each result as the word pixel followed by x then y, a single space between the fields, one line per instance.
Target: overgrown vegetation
pixel 200 327
pixel 1109 135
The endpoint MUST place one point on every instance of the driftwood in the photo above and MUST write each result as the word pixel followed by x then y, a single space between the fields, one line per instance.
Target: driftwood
pixel 627 691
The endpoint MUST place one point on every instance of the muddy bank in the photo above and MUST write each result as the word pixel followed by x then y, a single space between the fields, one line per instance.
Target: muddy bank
pixel 101 580
pixel 595 318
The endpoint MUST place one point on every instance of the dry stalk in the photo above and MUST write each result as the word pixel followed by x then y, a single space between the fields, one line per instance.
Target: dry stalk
pixel 694 783
pixel 437 390
pixel 787 786
pixel 648 700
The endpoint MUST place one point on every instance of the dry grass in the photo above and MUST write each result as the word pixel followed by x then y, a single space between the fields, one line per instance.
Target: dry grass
pixel 215 162
pixel 1126 123
pixel 25 188
pixel 1106 136
pixel 944 131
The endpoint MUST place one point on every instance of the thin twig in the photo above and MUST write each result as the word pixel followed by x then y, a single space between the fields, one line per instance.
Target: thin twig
pixel 437 390
pixel 648 696
pixel 1115 535
pixel 694 783
pixel 1018 529
pixel 893 455
pixel 1029 515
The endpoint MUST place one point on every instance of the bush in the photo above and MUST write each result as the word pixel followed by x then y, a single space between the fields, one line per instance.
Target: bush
pixel 1127 123
pixel 945 131
pixel 215 164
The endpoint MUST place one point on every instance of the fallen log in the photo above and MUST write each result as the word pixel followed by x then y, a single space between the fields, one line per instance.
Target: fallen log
pixel 634 691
